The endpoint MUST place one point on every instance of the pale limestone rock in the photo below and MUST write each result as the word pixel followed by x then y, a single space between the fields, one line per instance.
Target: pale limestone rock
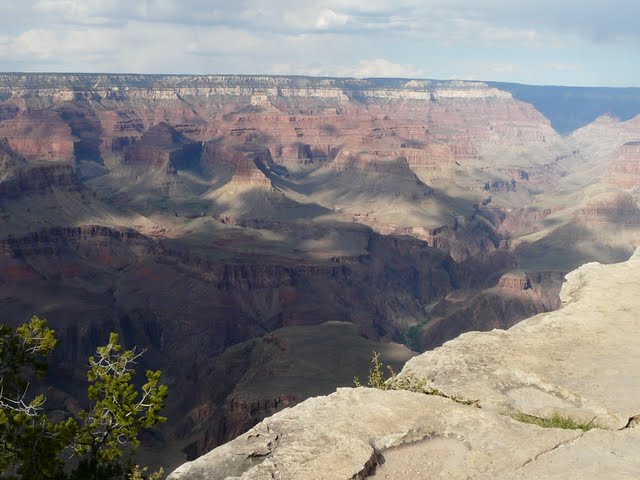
pixel 581 361
pixel 596 455
pixel 345 435
pixel 67 87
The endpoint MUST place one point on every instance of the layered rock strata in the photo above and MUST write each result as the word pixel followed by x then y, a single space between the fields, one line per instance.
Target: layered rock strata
pixel 624 170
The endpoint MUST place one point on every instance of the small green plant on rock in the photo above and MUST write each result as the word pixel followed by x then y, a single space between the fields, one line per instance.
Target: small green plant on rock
pixel 138 473
pixel 555 421
pixel 376 375
pixel 408 382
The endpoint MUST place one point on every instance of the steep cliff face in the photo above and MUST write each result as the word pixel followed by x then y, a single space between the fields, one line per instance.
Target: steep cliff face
pixel 38 178
pixel 89 240
pixel 163 147
pixel 620 207
pixel 9 160
pixel 189 309
pixel 483 378
pixel 624 169
pixel 241 166
pixel 257 378
pixel 39 135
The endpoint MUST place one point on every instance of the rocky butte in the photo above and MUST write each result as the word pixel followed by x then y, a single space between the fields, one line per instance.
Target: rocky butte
pixel 576 363
pixel 261 235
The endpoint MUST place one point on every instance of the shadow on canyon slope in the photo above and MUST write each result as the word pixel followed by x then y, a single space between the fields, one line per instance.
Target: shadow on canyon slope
pixel 571 245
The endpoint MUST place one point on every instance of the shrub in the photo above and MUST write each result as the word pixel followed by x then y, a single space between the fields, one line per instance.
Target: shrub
pixel 406 382
pixel 102 439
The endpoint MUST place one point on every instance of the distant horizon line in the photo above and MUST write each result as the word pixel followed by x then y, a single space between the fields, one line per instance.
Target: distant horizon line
pixel 324 77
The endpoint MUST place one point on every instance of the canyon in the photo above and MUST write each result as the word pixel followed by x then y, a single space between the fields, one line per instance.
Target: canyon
pixel 260 236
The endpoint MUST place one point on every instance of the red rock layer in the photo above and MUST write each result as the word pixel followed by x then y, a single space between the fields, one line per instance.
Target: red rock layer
pixel 39 178
pixel 245 166
pixel 162 146
pixel 618 207
pixel 624 170
pixel 306 125
pixel 39 135
pixel 514 282
pixel 8 158
pixel 522 221
pixel 373 162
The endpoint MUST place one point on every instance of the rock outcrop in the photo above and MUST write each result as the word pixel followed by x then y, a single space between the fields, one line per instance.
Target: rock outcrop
pixel 577 362
pixel 8 158
pixel 618 207
pixel 39 135
pixel 241 166
pixel 624 169
pixel 39 178
pixel 260 377
pixel 162 146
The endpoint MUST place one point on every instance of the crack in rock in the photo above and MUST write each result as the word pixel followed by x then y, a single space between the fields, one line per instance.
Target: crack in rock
pixel 545 452
pixel 375 460
pixel 633 422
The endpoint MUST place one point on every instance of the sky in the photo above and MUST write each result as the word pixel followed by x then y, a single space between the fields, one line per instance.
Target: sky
pixel 542 42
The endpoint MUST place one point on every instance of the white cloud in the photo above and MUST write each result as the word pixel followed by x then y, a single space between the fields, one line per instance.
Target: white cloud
pixel 41 44
pixel 403 38
pixel 330 19
pixel 78 12
pixel 309 18
pixel 614 20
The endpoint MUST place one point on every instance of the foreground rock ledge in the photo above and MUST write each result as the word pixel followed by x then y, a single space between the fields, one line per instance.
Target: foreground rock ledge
pixel 581 361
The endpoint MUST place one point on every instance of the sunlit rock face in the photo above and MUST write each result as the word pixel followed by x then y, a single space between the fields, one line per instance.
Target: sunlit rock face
pixel 624 168
pixel 197 215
